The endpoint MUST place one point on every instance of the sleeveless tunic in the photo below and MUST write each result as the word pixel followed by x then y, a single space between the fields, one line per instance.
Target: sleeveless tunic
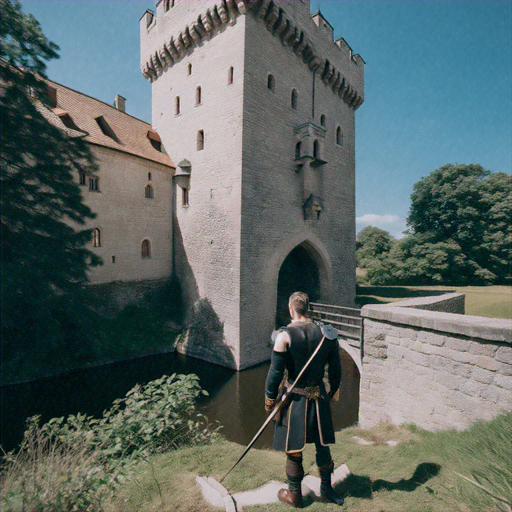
pixel 307 419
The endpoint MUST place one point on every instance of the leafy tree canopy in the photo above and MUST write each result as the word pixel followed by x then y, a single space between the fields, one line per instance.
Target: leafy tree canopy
pixel 43 248
pixel 459 232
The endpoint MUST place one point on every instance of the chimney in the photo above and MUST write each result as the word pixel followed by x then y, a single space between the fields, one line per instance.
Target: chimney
pixel 120 103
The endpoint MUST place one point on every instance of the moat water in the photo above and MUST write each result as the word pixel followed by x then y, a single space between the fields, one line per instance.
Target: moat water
pixel 236 399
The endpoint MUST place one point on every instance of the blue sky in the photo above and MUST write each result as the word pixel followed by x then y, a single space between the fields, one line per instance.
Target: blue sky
pixel 438 82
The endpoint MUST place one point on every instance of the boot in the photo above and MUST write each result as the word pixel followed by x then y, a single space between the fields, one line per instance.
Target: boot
pixel 294 473
pixel 291 496
pixel 327 493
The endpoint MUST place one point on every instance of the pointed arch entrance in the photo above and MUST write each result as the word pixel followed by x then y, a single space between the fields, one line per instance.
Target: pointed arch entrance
pixel 304 270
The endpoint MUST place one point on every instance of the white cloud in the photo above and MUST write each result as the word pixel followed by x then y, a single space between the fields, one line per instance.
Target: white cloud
pixel 394 224
pixel 371 219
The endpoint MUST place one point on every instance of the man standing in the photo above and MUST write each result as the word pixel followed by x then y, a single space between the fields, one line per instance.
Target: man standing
pixel 306 417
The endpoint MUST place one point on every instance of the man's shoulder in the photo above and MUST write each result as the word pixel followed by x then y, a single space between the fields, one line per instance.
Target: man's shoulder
pixel 283 329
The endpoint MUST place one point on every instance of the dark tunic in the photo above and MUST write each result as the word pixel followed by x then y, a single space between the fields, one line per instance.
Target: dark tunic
pixel 304 420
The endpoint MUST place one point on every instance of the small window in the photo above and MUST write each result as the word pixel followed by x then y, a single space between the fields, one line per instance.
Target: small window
pixel 146 249
pixel 271 82
pixel 295 97
pixel 339 136
pixel 82 178
pixel 167 4
pixel 322 120
pixel 316 150
pixel 184 197
pixel 198 96
pixel 189 69
pixel 113 259
pixel 231 73
pixel 149 192
pixel 105 128
pixel 149 176
pixel 177 107
pixel 94 184
pixel 200 140
pixel 297 150
pixel 96 238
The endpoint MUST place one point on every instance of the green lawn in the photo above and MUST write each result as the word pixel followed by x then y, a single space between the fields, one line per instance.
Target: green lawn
pixel 489 301
pixel 419 474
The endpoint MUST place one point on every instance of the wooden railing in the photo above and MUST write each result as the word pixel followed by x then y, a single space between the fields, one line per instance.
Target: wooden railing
pixel 347 321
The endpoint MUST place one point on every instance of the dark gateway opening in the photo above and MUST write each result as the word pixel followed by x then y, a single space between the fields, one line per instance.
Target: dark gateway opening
pixel 299 272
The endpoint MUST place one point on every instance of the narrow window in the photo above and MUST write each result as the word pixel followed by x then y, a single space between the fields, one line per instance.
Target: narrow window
pixel 177 108
pixel 295 96
pixel 184 197
pixel 200 140
pixel 82 178
pixel 96 238
pixel 94 183
pixel 189 69
pixel 339 136
pixel 297 150
pixel 149 176
pixel 316 150
pixel 113 259
pixel 271 82
pixel 149 192
pixel 231 73
pixel 322 120
pixel 146 249
pixel 166 5
pixel 198 96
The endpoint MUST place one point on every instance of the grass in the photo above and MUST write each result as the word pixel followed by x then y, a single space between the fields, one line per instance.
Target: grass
pixel 421 473
pixel 488 301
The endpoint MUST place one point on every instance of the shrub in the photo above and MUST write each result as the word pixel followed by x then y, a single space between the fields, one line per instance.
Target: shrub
pixel 76 463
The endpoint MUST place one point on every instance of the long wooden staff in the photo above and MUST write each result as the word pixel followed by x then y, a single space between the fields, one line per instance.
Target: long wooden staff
pixel 275 411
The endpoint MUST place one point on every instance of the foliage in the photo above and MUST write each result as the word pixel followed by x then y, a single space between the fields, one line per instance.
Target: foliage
pixel 75 463
pixel 154 417
pixel 467 207
pixel 372 243
pixel 460 231
pixel 48 475
pixel 44 258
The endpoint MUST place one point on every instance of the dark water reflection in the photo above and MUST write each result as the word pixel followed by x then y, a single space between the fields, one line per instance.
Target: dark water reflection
pixel 236 398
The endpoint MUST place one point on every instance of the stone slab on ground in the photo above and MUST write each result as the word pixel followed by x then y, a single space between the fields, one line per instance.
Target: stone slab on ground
pixel 215 494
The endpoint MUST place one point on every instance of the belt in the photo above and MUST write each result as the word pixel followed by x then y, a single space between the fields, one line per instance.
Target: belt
pixel 310 392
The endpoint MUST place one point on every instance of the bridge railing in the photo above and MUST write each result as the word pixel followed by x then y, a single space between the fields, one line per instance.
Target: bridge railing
pixel 347 321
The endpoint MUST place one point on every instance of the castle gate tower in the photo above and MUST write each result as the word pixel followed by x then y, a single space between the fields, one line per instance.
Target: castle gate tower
pixel 255 103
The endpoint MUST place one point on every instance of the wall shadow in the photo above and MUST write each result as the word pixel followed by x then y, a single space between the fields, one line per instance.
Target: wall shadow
pixel 204 331
pixel 362 486
pixel 398 292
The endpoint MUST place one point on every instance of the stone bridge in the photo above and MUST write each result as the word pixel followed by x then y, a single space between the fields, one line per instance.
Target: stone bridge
pixel 423 361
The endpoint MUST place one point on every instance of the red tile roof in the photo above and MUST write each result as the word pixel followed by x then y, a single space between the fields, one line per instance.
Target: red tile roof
pixel 131 135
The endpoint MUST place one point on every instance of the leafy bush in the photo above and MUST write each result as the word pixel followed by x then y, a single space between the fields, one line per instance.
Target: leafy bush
pixel 76 463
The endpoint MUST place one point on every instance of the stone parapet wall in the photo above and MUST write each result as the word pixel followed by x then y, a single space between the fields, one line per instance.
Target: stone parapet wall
pixel 434 369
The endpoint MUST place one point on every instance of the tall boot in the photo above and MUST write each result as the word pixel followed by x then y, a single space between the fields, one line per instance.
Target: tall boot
pixel 294 474
pixel 327 493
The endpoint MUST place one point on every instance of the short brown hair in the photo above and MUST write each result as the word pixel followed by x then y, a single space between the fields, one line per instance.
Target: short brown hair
pixel 299 301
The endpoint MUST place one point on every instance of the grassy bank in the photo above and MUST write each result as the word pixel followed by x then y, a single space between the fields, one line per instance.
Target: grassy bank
pixel 488 301
pixel 418 474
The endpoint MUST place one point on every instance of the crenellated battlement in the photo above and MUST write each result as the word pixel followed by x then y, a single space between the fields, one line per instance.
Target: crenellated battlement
pixel 179 26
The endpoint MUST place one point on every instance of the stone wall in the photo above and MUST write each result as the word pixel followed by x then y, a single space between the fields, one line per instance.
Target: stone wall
pixel 434 369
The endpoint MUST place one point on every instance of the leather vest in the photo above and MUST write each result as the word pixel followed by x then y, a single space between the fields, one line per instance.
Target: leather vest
pixel 305 337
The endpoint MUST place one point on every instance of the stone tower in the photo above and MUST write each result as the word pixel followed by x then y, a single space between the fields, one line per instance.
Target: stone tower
pixel 255 103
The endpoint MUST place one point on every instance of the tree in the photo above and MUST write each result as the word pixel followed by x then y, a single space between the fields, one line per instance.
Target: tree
pixel 468 208
pixel 372 243
pixel 44 258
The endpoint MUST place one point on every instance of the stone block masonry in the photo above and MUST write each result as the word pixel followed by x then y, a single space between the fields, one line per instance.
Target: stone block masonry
pixel 248 189
pixel 433 368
